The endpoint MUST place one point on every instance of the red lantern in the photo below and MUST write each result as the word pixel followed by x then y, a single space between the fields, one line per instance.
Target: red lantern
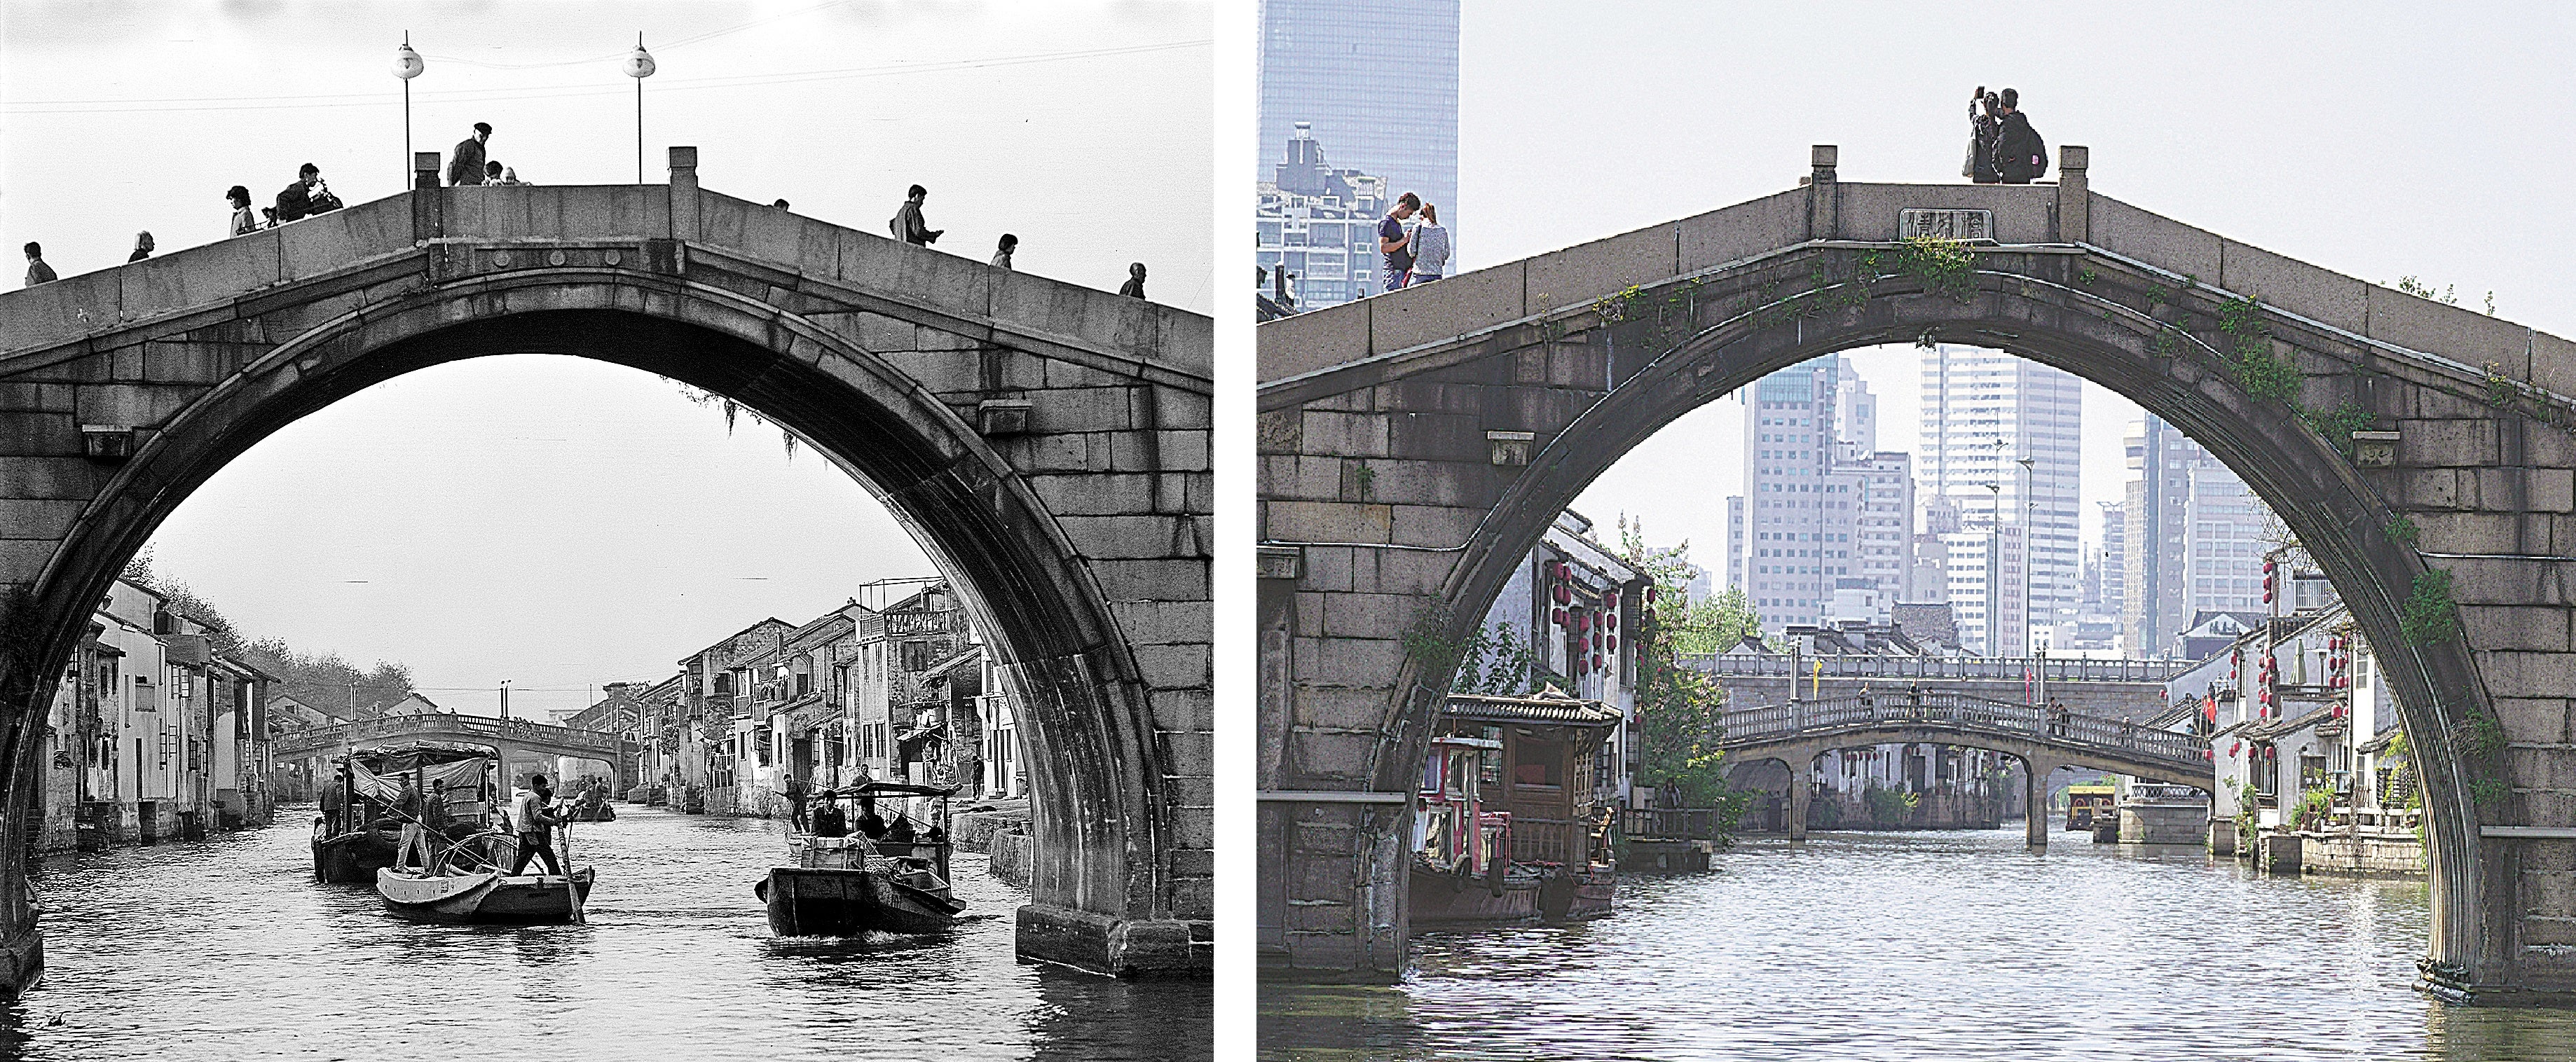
pixel 1651 594
pixel 1614 643
pixel 1613 620
pixel 1557 617
pixel 2209 754
pixel 1596 639
pixel 1596 661
pixel 1563 595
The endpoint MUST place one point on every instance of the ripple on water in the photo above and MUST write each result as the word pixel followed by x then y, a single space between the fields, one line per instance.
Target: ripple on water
pixel 231 949
pixel 1934 945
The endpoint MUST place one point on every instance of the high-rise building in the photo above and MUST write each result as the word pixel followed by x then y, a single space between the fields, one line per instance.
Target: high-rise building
pixel 1376 79
pixel 2193 539
pixel 2112 567
pixel 2222 546
pixel 1320 224
pixel 1820 505
pixel 2001 440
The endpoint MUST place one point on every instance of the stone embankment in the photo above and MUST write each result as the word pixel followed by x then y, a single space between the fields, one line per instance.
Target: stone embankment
pixel 1001 830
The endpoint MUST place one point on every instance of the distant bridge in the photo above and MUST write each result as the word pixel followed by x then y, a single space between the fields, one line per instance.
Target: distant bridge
pixel 504 736
pixel 1797 732
pixel 2050 669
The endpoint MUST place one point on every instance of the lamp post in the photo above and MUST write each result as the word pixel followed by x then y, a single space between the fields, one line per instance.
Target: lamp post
pixel 407 65
pixel 2029 512
pixel 505 698
pixel 1995 571
pixel 639 66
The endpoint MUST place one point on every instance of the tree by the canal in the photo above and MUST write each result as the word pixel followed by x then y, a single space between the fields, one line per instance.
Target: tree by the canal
pixel 1677 707
pixel 320 679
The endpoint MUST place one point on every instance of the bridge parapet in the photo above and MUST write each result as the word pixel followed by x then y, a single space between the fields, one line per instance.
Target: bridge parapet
pixel 515 732
pixel 1797 720
pixel 2052 669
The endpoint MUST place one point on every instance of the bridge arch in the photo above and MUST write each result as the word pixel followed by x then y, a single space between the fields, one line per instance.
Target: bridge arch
pixel 887 360
pixel 1497 402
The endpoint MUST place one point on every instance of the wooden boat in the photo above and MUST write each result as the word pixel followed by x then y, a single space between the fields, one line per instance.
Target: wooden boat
pixel 486 896
pixel 367 836
pixel 845 886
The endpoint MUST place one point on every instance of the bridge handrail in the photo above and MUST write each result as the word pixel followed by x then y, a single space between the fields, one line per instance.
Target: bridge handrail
pixel 1936 668
pixel 473 726
pixel 2119 736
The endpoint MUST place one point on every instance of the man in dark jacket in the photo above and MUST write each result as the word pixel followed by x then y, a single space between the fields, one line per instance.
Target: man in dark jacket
pixel 467 165
pixel 1983 128
pixel 296 202
pixel 2020 156
pixel 907 223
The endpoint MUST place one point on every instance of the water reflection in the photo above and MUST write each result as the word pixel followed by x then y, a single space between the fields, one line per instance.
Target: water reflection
pixel 231 949
pixel 1931 945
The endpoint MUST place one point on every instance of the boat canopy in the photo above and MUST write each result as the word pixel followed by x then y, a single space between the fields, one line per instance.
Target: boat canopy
pixel 385 759
pixel 889 788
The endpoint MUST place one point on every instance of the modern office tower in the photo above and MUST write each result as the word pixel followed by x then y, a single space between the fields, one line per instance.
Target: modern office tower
pixel 2112 565
pixel 1735 540
pixel 2193 539
pixel 2222 544
pixel 1800 509
pixel 1320 224
pixel 1377 80
pixel 1883 525
pixel 1986 413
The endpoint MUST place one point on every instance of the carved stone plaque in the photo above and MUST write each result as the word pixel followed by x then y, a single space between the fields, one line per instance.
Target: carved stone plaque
pixel 1946 224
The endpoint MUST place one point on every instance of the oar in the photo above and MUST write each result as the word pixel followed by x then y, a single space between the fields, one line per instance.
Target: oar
pixel 570 887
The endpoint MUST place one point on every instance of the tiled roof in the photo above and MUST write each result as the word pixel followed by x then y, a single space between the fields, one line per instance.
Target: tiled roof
pixel 1542 708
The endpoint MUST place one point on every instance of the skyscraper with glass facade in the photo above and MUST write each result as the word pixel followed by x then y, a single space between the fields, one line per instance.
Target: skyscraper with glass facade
pixel 1375 79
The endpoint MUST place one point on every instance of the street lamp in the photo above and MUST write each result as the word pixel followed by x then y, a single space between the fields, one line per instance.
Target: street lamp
pixel 505 698
pixel 1995 571
pixel 2029 543
pixel 407 65
pixel 639 66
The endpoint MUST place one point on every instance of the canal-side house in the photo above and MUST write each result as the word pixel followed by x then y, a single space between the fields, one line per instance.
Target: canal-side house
pixel 151 735
pixel 2304 721
pixel 1564 619
pixel 896 648
pixel 712 741
pixel 1005 775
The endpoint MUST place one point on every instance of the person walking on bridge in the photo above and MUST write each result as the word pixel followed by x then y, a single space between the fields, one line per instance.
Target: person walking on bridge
pixel 1430 248
pixel 1397 244
pixel 1134 288
pixel 466 167
pixel 1002 251
pixel 142 246
pixel 243 222
pixel 37 271
pixel 908 224
pixel 2020 155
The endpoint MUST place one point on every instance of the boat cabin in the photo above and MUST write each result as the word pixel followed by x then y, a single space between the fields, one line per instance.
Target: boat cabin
pixel 1532 762
pixel 1457 834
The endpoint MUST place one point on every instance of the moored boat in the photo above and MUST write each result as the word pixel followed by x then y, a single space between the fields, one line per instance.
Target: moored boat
pixel 1506 813
pixel 887 878
pixel 363 833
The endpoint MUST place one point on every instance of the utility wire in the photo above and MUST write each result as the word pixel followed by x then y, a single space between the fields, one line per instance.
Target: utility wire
pixel 254 103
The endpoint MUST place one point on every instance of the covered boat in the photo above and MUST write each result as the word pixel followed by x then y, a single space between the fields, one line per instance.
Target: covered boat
pixel 360 832
pixel 1508 815
pixel 888 877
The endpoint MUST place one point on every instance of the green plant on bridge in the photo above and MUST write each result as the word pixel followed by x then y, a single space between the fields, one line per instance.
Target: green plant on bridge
pixel 2338 424
pixel 1428 645
pixel 1890 807
pixel 2503 392
pixel 2482 734
pixel 2489 792
pixel 2262 373
pixel 2401 530
pixel 2429 617
pixel 1946 267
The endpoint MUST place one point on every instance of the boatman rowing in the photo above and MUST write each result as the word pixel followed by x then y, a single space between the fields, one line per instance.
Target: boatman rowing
pixel 535 822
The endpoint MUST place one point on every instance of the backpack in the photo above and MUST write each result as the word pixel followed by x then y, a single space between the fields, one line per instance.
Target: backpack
pixel 293 203
pixel 2041 143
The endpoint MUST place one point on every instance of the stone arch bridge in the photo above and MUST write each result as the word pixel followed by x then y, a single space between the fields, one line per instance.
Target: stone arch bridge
pixel 1046 443
pixel 1796 732
pixel 1413 446
pixel 512 739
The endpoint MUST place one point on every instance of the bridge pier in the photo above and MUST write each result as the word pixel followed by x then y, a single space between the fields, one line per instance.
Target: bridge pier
pixel 1802 792
pixel 2034 787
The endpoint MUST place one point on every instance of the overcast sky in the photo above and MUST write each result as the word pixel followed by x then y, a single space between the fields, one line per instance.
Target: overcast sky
pixel 2375 139
pixel 555 522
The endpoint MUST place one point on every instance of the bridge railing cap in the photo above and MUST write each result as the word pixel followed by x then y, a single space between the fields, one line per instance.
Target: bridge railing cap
pixel 684 157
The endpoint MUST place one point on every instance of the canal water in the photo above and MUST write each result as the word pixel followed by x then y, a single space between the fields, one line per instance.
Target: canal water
pixel 229 949
pixel 1946 945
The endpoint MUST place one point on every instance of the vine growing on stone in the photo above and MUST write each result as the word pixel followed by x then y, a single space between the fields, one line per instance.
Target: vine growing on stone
pixel 1945 267
pixel 2262 373
pixel 2429 617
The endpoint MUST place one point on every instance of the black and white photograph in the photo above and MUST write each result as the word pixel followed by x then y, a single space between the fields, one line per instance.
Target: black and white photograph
pixel 573 529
